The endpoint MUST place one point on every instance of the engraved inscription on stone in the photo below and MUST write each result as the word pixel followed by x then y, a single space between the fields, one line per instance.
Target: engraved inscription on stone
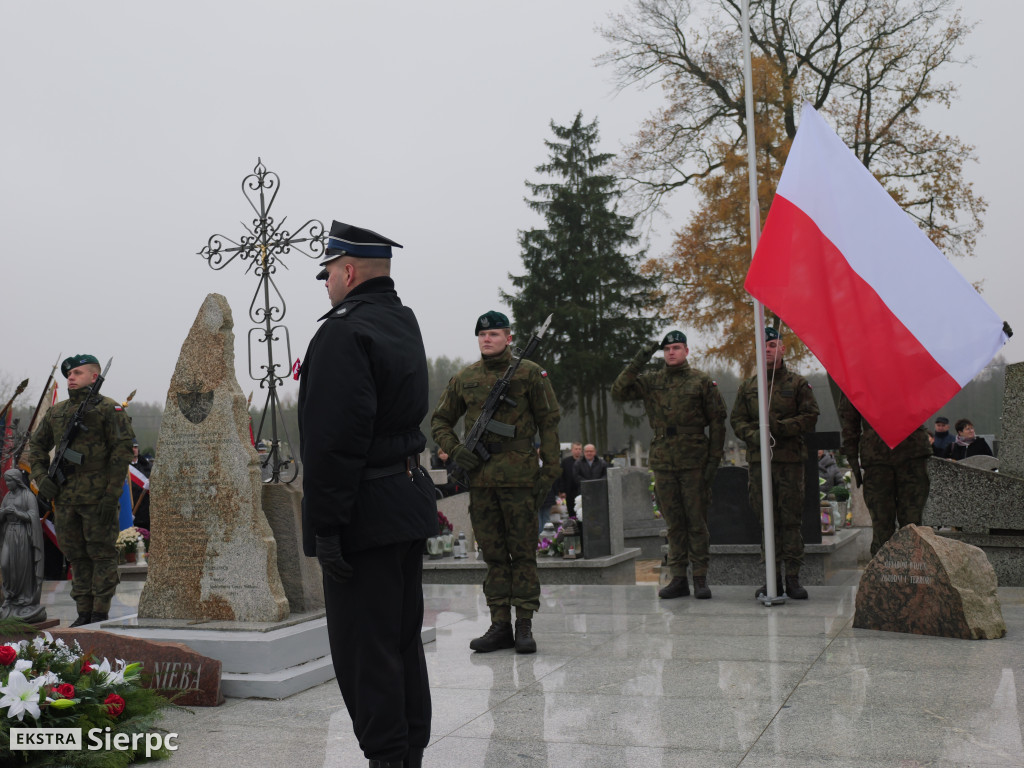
pixel 213 556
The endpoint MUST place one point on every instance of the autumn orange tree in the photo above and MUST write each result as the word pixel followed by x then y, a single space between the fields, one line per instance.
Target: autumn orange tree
pixel 870 66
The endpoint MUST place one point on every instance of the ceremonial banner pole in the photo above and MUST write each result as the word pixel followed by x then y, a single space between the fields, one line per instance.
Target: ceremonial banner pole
pixel 771 598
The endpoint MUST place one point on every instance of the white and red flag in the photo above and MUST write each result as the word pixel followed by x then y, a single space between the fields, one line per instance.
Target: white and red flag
pixel 138 479
pixel 893 322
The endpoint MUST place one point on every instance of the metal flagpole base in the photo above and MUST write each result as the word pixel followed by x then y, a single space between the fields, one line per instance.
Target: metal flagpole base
pixel 768 602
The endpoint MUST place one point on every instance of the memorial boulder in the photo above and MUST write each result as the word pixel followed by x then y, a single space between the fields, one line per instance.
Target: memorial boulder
pixel 213 554
pixel 926 584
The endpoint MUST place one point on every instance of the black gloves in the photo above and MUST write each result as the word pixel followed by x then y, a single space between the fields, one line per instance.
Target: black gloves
pixel 47 488
pixel 465 458
pixel 328 552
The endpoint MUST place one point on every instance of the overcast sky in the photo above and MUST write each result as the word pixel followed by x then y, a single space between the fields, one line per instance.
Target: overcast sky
pixel 128 128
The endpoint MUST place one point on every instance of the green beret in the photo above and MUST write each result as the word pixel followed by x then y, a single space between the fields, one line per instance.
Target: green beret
pixel 489 321
pixel 673 337
pixel 770 334
pixel 76 360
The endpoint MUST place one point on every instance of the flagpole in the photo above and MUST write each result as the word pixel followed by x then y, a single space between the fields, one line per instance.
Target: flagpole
pixel 772 598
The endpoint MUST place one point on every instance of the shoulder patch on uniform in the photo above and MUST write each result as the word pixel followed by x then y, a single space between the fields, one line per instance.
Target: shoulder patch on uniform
pixel 543 373
pixel 714 383
pixel 118 408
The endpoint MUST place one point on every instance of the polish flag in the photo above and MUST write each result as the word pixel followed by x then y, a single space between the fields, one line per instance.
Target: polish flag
pixel 897 327
pixel 138 479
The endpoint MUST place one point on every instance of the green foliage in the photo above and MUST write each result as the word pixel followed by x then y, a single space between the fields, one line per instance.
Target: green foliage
pixel 579 267
pixel 68 689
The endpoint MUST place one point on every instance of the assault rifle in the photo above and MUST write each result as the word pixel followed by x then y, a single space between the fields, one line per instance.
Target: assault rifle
pixel 498 395
pixel 75 425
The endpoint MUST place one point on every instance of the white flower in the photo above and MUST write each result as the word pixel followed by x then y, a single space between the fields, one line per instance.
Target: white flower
pixel 39 644
pixel 107 676
pixel 22 664
pixel 20 696
pixel 47 678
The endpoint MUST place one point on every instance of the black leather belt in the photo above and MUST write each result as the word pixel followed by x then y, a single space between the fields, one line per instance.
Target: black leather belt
pixel 406 465
pixel 512 445
pixel 673 431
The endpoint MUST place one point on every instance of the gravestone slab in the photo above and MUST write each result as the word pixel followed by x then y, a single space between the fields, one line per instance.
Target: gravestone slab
pixel 623 493
pixel 1011 435
pixel 926 584
pixel 730 519
pixel 631 488
pixel 213 555
pixel 974 500
pixel 169 668
pixel 596 538
pixel 301 576
pixel 991 463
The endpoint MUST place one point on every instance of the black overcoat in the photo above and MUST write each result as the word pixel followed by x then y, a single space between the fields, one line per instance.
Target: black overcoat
pixel 362 397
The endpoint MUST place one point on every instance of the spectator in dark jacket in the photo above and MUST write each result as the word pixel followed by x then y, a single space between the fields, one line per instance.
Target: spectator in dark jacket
pixel 967 443
pixel 943 437
pixel 566 485
pixel 590 467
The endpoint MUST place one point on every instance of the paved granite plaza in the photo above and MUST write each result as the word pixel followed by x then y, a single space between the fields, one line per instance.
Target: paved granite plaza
pixel 625 679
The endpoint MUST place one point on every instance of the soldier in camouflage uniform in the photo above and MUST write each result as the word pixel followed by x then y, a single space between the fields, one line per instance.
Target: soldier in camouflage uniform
pixel 792 410
pixel 681 402
pixel 507 490
pixel 895 480
pixel 88 504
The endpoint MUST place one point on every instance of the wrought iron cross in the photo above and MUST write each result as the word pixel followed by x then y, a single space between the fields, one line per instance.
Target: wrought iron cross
pixel 264 245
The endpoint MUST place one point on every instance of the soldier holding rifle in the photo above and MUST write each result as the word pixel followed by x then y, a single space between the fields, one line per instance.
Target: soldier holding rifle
pixel 93 438
pixel 507 400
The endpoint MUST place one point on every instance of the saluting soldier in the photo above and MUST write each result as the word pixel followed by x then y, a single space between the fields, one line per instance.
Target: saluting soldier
pixel 895 480
pixel 368 506
pixel 88 505
pixel 506 491
pixel 792 411
pixel 681 403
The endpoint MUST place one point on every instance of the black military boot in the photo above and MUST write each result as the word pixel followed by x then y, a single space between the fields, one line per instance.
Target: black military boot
pixel 414 758
pixel 385 764
pixel 793 588
pixel 763 589
pixel 498 635
pixel 524 636
pixel 678 587
pixel 700 587
pixel 97 616
pixel 83 618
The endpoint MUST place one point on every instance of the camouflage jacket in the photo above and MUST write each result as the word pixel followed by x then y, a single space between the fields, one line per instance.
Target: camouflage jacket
pixel 792 411
pixel 105 444
pixel 861 443
pixel 535 410
pixel 680 402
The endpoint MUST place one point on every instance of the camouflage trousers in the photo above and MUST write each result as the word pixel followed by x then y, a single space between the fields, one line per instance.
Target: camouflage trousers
pixel 89 547
pixel 683 501
pixel 505 525
pixel 895 495
pixel 788 505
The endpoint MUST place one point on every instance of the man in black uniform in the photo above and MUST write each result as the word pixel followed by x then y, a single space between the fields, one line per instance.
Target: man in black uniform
pixel 368 506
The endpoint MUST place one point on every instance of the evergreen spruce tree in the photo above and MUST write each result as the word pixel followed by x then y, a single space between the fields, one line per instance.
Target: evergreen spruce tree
pixel 579 267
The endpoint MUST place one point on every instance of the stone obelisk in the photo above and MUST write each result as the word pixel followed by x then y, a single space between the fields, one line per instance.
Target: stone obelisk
pixel 213 555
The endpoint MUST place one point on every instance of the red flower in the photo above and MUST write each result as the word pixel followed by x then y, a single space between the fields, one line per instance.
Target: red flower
pixel 115 704
pixel 7 655
pixel 87 668
pixel 65 690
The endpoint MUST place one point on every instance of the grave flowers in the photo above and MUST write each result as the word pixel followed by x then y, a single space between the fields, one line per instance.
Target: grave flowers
pixel 46 683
